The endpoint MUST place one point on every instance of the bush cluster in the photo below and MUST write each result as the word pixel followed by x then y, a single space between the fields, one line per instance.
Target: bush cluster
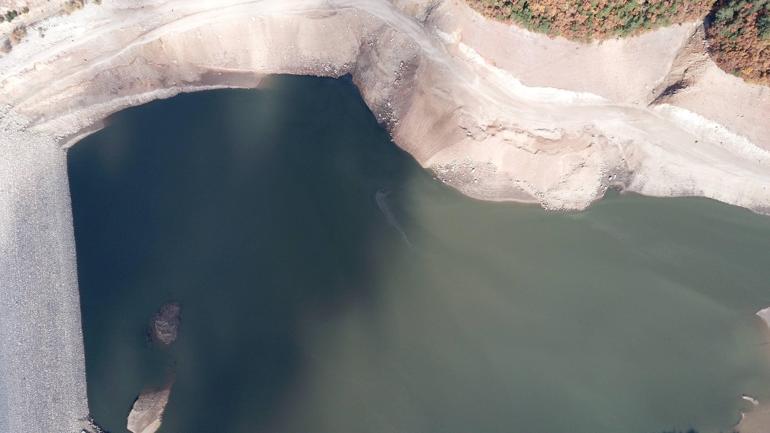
pixel 739 38
pixel 738 31
pixel 593 19
pixel 10 15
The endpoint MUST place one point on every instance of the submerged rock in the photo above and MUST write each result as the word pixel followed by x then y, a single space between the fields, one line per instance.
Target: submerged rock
pixel 165 323
pixel 146 415
pixel 147 412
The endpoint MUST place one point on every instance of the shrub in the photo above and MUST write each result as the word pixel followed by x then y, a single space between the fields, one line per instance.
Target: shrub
pixel 739 38
pixel 763 26
pixel 18 34
pixel 593 19
pixel 73 5
pixel 10 15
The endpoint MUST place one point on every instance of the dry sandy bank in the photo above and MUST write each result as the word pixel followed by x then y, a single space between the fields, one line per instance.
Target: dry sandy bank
pixel 498 112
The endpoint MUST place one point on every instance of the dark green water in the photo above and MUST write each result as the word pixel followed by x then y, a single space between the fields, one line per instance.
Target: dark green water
pixel 311 307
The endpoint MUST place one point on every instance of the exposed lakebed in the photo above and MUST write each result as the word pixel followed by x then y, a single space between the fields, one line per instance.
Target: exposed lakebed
pixel 330 285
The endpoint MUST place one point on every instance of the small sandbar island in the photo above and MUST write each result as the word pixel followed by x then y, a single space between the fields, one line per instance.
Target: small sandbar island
pixel 146 414
pixel 425 304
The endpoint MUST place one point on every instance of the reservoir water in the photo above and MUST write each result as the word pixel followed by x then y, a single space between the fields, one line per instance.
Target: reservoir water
pixel 330 285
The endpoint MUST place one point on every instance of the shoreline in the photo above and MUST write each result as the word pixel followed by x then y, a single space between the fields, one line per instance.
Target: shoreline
pixel 757 418
pixel 764 314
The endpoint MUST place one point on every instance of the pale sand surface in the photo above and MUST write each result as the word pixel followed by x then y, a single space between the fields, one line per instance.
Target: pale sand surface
pixel 757 418
pixel 146 415
pixel 500 114
pixel 634 70
pixel 764 314
pixel 748 106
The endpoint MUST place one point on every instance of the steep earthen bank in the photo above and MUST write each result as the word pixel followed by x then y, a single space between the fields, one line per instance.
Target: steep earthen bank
pixel 497 112
pixel 474 100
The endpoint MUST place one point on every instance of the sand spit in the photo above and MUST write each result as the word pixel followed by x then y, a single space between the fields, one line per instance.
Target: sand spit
pixel 764 314
pixel 755 421
pixel 497 112
pixel 146 414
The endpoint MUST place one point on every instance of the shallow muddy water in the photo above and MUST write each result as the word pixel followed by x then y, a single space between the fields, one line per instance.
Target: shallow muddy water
pixel 330 285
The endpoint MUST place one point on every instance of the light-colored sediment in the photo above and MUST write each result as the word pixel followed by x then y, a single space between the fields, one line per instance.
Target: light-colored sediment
pixel 764 314
pixel 757 419
pixel 750 399
pixel 497 112
pixel 146 415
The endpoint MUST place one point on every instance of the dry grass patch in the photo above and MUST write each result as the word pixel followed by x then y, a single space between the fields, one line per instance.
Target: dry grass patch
pixel 593 19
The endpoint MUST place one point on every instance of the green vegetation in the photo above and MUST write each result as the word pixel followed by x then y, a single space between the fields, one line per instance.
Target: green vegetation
pixel 593 19
pixel 738 31
pixel 10 15
pixel 739 38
